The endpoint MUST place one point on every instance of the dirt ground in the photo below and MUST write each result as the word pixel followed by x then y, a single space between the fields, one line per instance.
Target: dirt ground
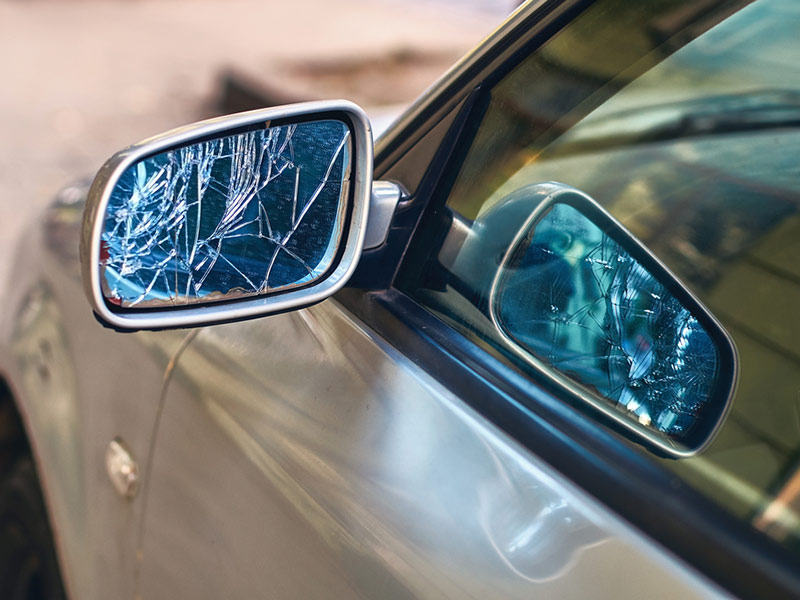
pixel 80 79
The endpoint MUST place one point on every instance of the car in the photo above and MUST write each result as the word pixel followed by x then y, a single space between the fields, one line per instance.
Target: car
pixel 541 339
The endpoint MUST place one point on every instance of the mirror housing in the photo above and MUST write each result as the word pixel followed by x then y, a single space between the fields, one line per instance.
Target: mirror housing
pixel 230 218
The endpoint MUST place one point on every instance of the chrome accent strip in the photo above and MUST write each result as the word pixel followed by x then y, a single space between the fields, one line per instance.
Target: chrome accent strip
pixel 109 174
pixel 383 202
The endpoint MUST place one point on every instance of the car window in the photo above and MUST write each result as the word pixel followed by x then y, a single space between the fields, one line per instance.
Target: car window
pixel 681 120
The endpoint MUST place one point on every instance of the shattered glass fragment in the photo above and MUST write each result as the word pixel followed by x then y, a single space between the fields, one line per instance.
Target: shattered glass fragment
pixel 575 299
pixel 227 218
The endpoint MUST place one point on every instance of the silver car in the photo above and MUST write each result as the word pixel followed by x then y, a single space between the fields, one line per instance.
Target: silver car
pixel 541 340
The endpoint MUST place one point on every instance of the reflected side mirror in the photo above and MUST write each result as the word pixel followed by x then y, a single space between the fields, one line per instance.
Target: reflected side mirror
pixel 580 299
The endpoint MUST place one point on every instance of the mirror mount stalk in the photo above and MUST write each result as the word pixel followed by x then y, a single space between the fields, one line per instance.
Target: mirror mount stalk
pixel 384 199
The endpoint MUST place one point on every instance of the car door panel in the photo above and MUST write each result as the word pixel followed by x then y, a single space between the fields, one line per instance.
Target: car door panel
pixel 300 456
pixel 81 386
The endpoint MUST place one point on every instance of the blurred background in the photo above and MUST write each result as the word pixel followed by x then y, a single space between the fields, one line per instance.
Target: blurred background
pixel 80 79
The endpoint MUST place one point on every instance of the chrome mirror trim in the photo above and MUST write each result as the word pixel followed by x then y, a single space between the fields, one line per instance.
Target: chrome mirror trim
pixel 112 170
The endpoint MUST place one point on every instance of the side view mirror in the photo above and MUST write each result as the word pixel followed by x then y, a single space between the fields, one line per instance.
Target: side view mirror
pixel 230 218
pixel 580 299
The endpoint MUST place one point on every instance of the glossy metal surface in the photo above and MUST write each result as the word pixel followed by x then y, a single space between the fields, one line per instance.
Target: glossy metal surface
pixel 300 457
pixel 122 469
pixel 67 373
pixel 109 174
pixel 383 202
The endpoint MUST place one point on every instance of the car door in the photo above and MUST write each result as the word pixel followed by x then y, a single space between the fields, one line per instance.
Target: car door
pixel 387 444
pixel 302 456
pixel 78 393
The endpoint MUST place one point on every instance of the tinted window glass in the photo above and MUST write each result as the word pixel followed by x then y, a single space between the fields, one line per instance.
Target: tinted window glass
pixel 680 119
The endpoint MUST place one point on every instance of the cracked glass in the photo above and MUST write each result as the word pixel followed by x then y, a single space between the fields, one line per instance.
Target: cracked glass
pixel 579 302
pixel 231 217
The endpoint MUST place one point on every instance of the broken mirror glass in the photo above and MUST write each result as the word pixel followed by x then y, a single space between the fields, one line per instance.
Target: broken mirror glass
pixel 578 295
pixel 256 212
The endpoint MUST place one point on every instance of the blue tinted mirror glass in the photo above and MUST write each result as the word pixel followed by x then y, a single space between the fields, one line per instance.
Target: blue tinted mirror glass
pixel 584 299
pixel 231 217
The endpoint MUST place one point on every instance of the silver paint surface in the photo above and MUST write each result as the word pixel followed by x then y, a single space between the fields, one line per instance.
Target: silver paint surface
pixel 66 372
pixel 299 456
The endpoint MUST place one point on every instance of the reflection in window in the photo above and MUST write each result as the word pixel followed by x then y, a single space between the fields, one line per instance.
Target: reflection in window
pixel 579 302
pixel 692 145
